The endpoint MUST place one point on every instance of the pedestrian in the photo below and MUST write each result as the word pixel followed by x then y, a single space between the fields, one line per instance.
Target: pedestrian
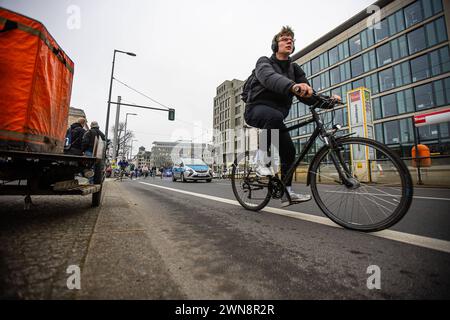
pixel 87 145
pixel 74 138
pixel 89 138
pixel 162 171
pixel 145 171
pixel 268 94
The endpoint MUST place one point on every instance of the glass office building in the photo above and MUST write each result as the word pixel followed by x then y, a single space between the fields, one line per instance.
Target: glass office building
pixel 404 61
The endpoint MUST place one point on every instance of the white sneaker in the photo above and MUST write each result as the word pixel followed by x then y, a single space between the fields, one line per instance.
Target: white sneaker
pixel 264 171
pixel 295 198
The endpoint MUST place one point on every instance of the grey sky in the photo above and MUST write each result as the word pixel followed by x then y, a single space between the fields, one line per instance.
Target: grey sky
pixel 185 49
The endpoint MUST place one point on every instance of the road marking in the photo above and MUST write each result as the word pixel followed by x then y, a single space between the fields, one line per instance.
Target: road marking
pixel 389 195
pixel 420 241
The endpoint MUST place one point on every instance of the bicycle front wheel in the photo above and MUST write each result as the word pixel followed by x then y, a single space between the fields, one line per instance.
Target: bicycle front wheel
pixel 375 192
pixel 251 191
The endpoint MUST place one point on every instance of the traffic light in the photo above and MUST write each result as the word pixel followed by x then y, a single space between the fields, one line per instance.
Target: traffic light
pixel 171 114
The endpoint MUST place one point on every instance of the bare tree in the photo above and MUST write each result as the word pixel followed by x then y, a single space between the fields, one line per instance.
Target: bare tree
pixel 124 139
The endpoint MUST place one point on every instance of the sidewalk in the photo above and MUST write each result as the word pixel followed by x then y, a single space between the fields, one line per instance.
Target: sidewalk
pixel 121 262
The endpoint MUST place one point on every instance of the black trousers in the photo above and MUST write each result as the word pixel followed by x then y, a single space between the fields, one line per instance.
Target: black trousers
pixel 265 117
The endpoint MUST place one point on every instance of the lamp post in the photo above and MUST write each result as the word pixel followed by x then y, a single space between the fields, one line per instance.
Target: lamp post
pixel 125 131
pixel 110 90
pixel 131 151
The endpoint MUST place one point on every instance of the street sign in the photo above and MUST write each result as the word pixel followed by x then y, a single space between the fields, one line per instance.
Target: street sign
pixel 432 118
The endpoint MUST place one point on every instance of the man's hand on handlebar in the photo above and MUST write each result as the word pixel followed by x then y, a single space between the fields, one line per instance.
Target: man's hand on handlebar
pixel 302 90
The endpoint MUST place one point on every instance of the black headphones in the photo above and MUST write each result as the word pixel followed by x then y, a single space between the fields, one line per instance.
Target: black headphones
pixel 275 45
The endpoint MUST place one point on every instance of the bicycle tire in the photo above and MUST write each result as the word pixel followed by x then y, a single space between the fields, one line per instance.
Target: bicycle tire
pixel 234 184
pixel 406 188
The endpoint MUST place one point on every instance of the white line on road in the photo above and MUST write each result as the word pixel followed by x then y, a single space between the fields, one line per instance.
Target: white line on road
pixel 387 195
pixel 420 241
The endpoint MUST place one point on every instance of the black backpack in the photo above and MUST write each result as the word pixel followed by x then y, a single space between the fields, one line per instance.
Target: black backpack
pixel 246 90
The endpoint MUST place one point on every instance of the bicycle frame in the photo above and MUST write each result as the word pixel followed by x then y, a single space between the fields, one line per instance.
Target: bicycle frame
pixel 319 131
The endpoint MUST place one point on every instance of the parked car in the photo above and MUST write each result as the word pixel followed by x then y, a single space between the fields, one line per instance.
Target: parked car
pixel 192 170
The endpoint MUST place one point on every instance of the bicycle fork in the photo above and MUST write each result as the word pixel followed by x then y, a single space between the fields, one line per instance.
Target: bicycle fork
pixel 343 170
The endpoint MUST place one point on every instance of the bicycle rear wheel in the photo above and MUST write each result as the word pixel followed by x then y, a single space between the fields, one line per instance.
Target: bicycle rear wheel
pixel 380 190
pixel 251 191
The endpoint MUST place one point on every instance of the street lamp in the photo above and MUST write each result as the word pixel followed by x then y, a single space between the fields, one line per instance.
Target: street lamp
pixel 125 131
pixel 131 151
pixel 110 89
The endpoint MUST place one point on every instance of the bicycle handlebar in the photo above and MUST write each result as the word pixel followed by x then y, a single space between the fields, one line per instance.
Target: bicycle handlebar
pixel 323 101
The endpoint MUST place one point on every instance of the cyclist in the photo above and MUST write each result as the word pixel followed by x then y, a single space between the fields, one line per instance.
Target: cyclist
pixel 123 164
pixel 277 79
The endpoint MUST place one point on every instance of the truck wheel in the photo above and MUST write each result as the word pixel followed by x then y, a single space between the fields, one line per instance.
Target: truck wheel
pixel 99 177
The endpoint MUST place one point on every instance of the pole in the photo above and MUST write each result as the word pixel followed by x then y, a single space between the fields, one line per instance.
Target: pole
pixel 109 97
pixel 125 133
pixel 416 137
pixel 116 128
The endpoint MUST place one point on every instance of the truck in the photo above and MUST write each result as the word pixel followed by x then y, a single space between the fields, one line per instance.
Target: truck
pixel 36 84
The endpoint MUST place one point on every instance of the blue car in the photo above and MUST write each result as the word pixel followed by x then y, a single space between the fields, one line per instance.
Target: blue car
pixel 191 170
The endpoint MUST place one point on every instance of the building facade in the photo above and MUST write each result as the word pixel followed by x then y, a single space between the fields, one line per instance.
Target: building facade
pixel 74 115
pixel 166 154
pixel 227 116
pixel 404 60
pixel 142 158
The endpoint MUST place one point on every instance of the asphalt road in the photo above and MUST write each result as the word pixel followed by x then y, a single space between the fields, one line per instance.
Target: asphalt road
pixel 215 249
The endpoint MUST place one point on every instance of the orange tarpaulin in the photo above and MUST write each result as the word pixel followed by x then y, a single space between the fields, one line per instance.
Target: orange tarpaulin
pixel 35 86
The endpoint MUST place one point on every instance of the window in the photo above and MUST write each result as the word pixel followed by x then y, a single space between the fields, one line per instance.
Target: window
pixel 391 132
pixel 382 32
pixel 324 80
pixel 379 132
pixel 430 29
pixel 406 131
pixel 357 66
pixel 315 65
pixel 358 83
pixel 402 74
pixel 437 6
pixel 435 63
pixel 333 56
pixel 367 38
pixel 345 71
pixel 376 105
pixel 335 76
pixel 384 55
pixel 420 68
pixel 427 9
pixel 428 132
pixel 372 83
pixel 438 88
pixel 316 83
pixel 323 61
pixel 355 45
pixel 386 78
pixel 441 30
pixel 307 68
pixel 399 48
pixel 416 41
pixel 413 14
pixel 338 91
pixel 405 101
pixel 447 89
pixel 396 22
pixel 369 61
pixel 389 105
pixel 423 96
pixel 444 55
pixel 343 50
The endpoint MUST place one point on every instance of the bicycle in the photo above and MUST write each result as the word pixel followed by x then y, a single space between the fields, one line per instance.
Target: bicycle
pixel 368 195
pixel 121 174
